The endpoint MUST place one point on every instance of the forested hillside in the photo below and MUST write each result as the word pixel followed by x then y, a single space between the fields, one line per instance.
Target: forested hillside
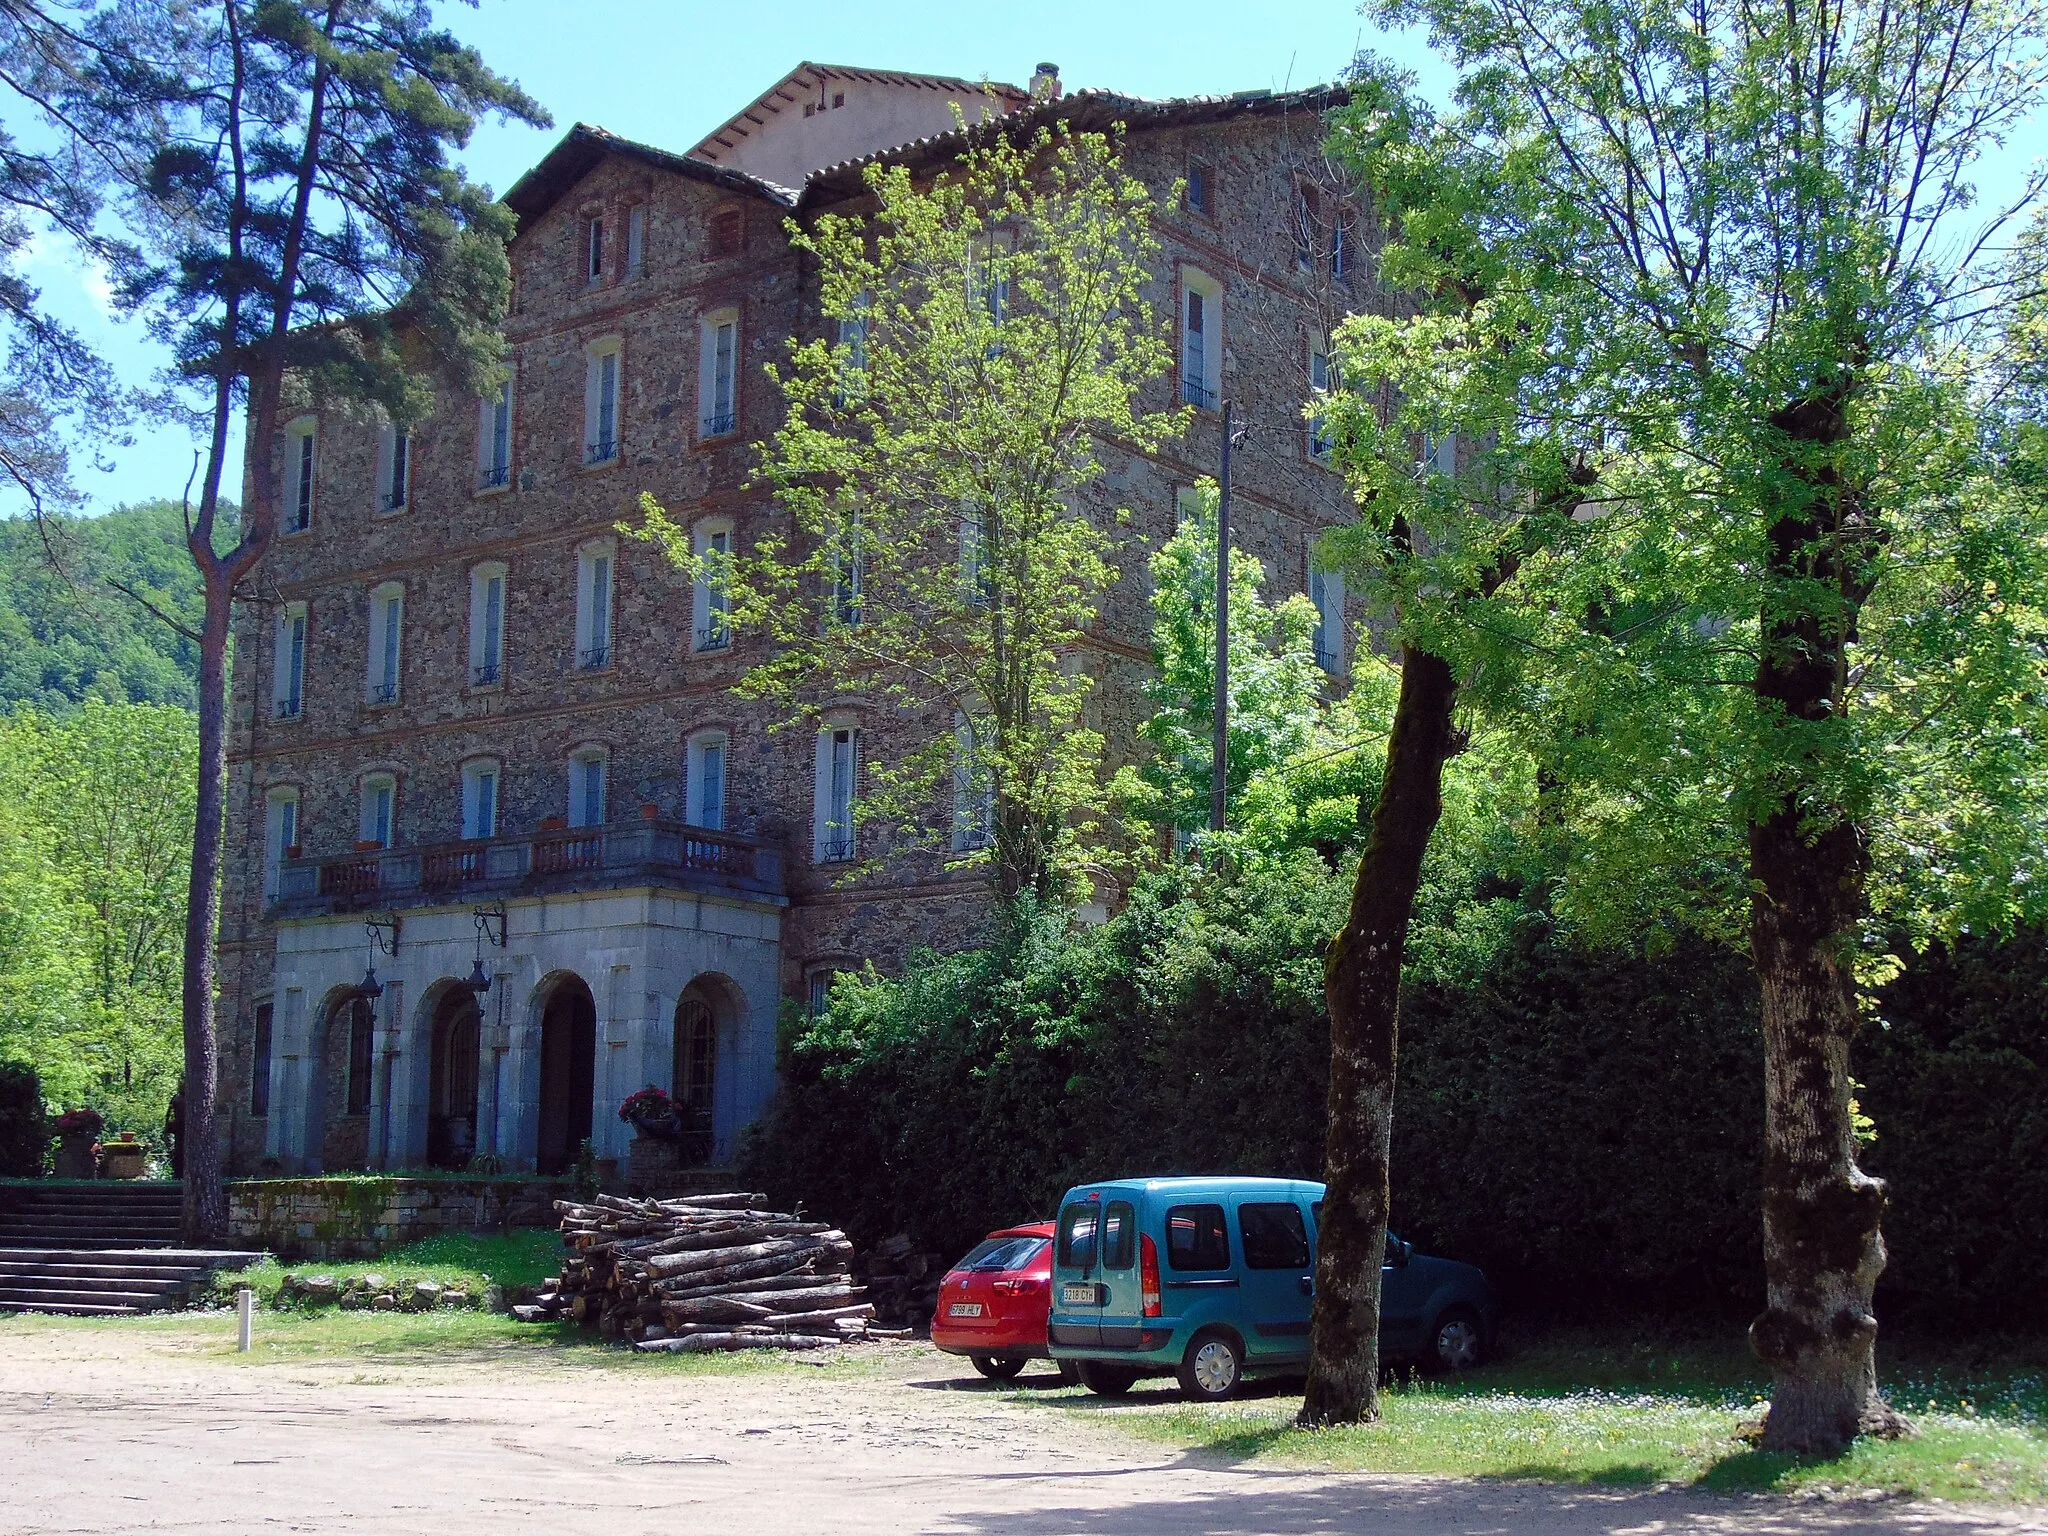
pixel 67 633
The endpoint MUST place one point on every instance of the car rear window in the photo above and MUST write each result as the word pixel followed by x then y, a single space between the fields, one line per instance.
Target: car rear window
pixel 1077 1236
pixel 1001 1253
pixel 1195 1237
pixel 1119 1235
pixel 1273 1235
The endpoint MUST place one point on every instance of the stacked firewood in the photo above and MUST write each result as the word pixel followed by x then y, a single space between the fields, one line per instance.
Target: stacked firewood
pixel 702 1273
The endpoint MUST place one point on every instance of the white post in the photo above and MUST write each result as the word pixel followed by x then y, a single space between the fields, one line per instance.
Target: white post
pixel 245 1318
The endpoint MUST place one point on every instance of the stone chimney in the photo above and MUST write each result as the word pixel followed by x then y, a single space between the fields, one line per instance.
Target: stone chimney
pixel 1045 84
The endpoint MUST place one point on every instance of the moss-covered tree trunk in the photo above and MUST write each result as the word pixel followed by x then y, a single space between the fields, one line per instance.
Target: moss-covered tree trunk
pixel 1823 1249
pixel 1362 983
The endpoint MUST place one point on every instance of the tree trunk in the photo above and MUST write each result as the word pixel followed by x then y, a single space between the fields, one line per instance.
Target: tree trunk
pixel 1362 981
pixel 205 1210
pixel 1823 1250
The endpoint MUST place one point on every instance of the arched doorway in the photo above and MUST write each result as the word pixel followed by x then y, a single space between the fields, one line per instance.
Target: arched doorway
pixel 338 1100
pixel 695 1079
pixel 451 1079
pixel 568 1073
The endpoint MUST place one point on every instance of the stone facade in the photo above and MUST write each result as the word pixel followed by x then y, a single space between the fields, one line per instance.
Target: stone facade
pixel 329 1219
pixel 644 951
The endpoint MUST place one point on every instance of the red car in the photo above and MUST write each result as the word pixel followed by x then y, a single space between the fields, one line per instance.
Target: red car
pixel 993 1303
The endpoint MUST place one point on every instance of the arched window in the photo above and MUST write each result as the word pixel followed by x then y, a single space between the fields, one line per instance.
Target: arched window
pixel 696 1052
pixel 360 1028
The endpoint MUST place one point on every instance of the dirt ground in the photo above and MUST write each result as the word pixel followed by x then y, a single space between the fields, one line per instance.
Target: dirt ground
pixel 150 1428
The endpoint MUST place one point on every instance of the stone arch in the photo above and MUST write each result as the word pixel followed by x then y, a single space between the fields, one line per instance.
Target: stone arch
pixel 340 1065
pixel 709 1017
pixel 453 1028
pixel 568 1069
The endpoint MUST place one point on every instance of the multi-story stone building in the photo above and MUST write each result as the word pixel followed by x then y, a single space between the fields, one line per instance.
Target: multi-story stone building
pixel 473 727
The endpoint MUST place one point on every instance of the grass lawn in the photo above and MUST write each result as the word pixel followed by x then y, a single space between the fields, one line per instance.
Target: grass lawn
pixel 525 1256
pixel 1575 1407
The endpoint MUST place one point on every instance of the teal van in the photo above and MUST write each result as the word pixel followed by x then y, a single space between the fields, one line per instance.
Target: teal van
pixel 1208 1279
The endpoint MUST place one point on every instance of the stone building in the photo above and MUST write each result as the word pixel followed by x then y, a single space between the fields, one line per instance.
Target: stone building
pixel 476 733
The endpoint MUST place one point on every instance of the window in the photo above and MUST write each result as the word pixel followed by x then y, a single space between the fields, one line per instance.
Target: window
pixel 821 990
pixel 704 781
pixel 1201 340
pixel 1440 453
pixel 1326 591
pixel 387 630
pixel 1201 188
pixel 636 241
pixel 280 836
pixel 361 1025
pixel 718 375
pixel 1273 1234
pixel 853 352
pixel 977 579
pixel 587 788
pixel 1119 1235
pixel 487 626
pixel 838 755
pixel 711 629
pixel 1340 244
pixel 601 403
pixel 288 690
pixel 298 471
pixel 1196 1238
pixel 394 468
pixel 259 1063
pixel 848 575
pixel 1079 1225
pixel 594 607
pixel 974 790
pixel 373 827
pixel 1308 221
pixel 728 234
pixel 593 250
pixel 1319 380
pixel 480 799
pixel 494 439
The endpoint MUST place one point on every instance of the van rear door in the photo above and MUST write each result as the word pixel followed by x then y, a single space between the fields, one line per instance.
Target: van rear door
pixel 1076 1297
pixel 1122 1303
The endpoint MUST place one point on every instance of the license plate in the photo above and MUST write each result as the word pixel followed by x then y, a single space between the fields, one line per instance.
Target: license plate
pixel 964 1309
pixel 1077 1295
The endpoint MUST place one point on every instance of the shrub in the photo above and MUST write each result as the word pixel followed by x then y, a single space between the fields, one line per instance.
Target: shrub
pixel 24 1129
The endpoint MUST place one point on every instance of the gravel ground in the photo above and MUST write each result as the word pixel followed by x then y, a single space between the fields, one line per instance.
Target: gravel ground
pixel 142 1427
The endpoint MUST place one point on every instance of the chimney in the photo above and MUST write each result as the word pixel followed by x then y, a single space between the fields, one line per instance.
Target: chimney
pixel 1045 84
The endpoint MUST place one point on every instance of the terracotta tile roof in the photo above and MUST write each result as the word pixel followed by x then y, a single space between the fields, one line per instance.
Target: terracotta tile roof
pixel 787 92
pixel 585 146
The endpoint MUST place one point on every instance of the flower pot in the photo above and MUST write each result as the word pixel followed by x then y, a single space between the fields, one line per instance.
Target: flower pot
pixel 650 811
pixel 368 845
pixel 554 823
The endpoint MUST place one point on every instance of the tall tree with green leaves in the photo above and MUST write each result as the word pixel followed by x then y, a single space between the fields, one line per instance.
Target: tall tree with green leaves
pixel 987 330
pixel 1735 301
pixel 310 240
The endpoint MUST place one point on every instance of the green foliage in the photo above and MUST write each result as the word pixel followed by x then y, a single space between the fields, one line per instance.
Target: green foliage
pixel 95 841
pixel 1582 1123
pixel 24 1128
pixel 67 634
pixel 1275 682
pixel 990 329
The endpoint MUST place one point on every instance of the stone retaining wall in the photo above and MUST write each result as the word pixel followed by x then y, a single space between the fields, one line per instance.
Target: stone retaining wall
pixel 365 1218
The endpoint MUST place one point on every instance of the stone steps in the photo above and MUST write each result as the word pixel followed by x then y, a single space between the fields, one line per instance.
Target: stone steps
pixel 98 1250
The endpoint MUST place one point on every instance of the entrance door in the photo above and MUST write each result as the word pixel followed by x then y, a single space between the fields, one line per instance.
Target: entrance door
pixel 695 1066
pixel 451 1107
pixel 568 1075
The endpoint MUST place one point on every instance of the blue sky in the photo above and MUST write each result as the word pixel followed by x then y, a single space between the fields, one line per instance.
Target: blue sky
pixel 667 72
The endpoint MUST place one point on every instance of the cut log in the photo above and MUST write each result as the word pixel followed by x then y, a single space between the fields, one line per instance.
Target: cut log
pixel 718 1258
pixel 706 1343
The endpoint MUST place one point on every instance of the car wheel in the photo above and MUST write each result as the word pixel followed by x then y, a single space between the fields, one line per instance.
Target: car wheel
pixel 1457 1342
pixel 995 1367
pixel 1106 1380
pixel 1211 1369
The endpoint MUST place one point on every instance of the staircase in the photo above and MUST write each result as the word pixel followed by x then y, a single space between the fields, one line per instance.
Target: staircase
pixel 98 1250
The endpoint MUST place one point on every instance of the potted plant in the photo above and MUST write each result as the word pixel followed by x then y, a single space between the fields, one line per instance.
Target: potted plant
pixel 651 1112
pixel 77 1131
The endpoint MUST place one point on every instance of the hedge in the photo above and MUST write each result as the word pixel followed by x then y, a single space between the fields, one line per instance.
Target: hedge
pixel 1586 1126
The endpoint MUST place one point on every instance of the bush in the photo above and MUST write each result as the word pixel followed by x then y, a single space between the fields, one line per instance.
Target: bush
pixel 1587 1126
pixel 24 1130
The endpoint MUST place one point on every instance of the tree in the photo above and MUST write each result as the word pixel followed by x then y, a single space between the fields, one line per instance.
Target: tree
pixel 1276 683
pixel 1730 287
pixel 309 241
pixel 936 457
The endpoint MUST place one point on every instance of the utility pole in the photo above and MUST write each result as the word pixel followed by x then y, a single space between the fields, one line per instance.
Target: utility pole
pixel 1219 762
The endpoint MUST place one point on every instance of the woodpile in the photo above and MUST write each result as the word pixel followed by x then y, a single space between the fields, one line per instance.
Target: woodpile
pixel 701 1273
pixel 902 1282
